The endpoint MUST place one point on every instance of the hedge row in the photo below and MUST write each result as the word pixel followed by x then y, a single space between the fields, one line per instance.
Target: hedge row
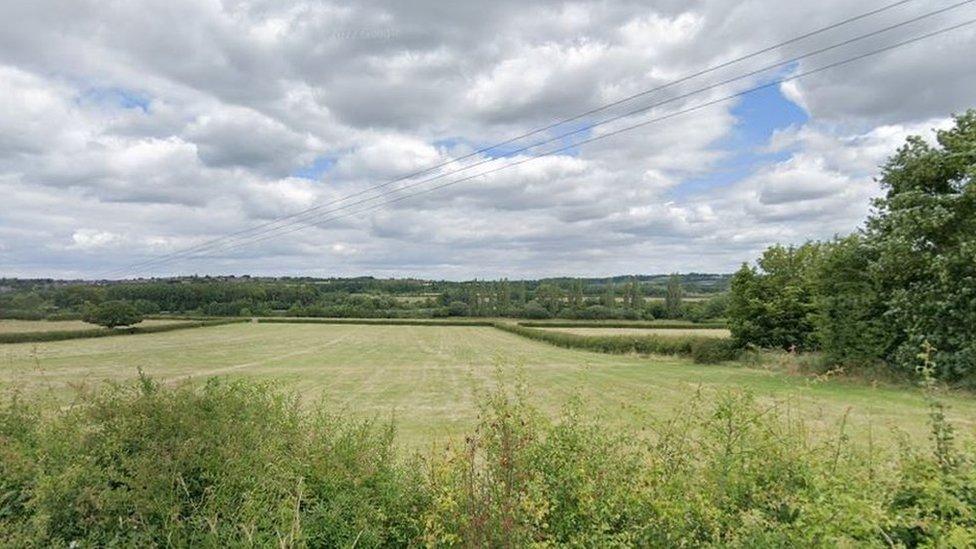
pixel 379 321
pixel 663 324
pixel 702 349
pixel 61 335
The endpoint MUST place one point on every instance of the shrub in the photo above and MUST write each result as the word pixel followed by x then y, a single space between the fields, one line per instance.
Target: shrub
pixel 230 464
pixel 458 308
pixel 534 309
pixel 713 350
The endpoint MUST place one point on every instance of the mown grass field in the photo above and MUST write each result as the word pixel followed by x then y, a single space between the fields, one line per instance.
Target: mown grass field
pixel 20 326
pixel 429 377
pixel 708 332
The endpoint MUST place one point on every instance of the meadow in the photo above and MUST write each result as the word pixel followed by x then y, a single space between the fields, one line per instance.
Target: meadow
pixel 430 378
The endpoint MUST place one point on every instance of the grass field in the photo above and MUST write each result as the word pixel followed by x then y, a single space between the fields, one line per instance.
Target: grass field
pixel 21 326
pixel 708 332
pixel 428 377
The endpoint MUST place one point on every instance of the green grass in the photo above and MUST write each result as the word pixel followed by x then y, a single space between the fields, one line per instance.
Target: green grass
pixel 428 377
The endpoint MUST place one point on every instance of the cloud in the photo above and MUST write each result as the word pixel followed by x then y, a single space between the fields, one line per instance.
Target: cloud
pixel 144 127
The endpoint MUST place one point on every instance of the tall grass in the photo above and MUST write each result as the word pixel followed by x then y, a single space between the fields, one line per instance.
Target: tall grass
pixel 240 463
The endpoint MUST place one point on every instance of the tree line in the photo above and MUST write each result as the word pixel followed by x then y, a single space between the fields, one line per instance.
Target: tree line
pixel 902 284
pixel 629 298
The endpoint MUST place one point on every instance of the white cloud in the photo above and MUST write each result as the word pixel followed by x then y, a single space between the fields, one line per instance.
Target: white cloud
pixel 236 97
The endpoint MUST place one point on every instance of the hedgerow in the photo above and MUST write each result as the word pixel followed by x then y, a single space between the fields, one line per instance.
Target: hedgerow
pixel 662 324
pixel 61 335
pixel 700 348
pixel 240 463
pixel 377 321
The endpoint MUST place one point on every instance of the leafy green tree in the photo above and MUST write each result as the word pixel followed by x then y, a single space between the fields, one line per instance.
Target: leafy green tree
pixel 673 298
pixel 850 309
pixel 550 297
pixel 773 305
pixel 608 299
pixel 924 232
pixel 112 314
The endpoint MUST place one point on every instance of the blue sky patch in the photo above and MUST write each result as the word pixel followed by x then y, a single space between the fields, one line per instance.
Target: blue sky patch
pixel 316 169
pixel 758 115
pixel 116 97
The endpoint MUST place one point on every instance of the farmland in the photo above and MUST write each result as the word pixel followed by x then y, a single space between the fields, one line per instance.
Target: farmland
pixel 429 378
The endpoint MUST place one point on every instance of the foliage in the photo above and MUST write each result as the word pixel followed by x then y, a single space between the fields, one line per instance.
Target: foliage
pixel 772 305
pixel 710 349
pixel 230 464
pixel 112 314
pixel 923 232
pixel 362 297
pixel 907 278
pixel 673 299
pixel 679 324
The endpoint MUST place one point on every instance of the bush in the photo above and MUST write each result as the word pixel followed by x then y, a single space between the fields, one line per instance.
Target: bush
pixel 228 464
pixel 112 314
pixel 534 309
pixel 231 464
pixel 713 350
pixel 458 308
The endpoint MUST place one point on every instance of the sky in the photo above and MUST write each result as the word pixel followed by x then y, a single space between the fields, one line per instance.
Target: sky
pixel 133 134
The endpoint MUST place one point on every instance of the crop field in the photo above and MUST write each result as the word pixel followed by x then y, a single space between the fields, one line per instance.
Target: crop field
pixel 429 377
pixel 708 332
pixel 21 326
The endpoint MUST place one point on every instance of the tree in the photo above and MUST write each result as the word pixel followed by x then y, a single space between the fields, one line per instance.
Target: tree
pixel 849 318
pixel 773 306
pixel 111 314
pixel 550 297
pixel 632 295
pixel 672 300
pixel 923 231
pixel 608 299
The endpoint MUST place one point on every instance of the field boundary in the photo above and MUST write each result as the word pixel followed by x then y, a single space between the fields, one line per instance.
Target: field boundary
pixel 377 322
pixel 702 349
pixel 64 335
pixel 648 325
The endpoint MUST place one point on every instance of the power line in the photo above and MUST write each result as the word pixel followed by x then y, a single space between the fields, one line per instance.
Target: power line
pixel 629 128
pixel 713 68
pixel 304 218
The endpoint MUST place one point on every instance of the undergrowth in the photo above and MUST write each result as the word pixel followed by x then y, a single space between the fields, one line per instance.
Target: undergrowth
pixel 243 463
